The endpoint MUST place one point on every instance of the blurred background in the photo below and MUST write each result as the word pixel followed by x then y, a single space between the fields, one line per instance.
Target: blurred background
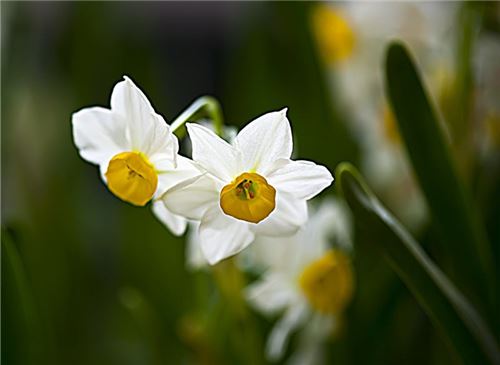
pixel 89 279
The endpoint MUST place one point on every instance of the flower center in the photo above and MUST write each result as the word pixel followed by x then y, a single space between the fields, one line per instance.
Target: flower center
pixel 328 282
pixel 132 178
pixel 334 35
pixel 249 197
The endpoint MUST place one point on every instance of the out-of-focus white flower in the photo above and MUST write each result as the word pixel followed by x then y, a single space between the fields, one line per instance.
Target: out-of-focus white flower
pixel 425 27
pixel 135 149
pixel 248 187
pixel 487 72
pixel 334 34
pixel 359 32
pixel 307 280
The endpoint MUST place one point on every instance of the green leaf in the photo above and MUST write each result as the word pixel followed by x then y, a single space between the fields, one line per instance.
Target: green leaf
pixel 446 306
pixel 25 341
pixel 463 236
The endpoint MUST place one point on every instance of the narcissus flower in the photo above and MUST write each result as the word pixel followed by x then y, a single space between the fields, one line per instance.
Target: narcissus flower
pixel 334 34
pixel 308 280
pixel 135 149
pixel 248 187
pixel 353 37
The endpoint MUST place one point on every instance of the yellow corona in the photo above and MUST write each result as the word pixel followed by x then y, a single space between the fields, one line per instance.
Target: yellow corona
pixel 249 197
pixel 132 178
pixel 328 282
pixel 335 37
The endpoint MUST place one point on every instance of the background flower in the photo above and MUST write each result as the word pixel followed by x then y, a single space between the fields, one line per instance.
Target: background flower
pixel 292 269
pixel 359 82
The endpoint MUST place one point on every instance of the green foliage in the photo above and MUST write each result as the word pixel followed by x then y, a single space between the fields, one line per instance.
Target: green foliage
pixel 462 234
pixel 446 306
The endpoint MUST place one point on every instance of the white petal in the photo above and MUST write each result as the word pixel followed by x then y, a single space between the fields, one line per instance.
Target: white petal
pixel 175 223
pixel 308 354
pixel 158 139
pixel 170 176
pixel 192 198
pixel 130 102
pixel 195 259
pixel 278 339
pixel 320 326
pixel 222 236
pixel 281 253
pixel 303 179
pixel 286 219
pixel 310 349
pixel 98 134
pixel 331 222
pixel 265 140
pixel 272 293
pixel 127 97
pixel 213 153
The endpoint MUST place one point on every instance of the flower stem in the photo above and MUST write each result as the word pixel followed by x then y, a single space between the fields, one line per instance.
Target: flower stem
pixel 231 283
pixel 207 104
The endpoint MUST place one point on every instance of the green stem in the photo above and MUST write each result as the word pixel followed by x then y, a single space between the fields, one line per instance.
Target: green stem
pixel 231 283
pixel 207 104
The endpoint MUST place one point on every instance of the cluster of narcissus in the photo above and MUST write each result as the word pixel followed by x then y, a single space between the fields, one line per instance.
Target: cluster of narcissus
pixel 352 39
pixel 233 193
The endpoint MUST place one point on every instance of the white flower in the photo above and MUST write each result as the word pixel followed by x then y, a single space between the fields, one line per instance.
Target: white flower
pixel 249 187
pixel 487 89
pixel 307 281
pixel 358 33
pixel 135 149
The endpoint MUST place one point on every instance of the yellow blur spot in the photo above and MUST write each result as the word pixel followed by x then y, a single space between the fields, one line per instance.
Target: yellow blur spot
pixel 132 178
pixel 249 197
pixel 335 37
pixel 492 123
pixel 328 282
pixel 390 127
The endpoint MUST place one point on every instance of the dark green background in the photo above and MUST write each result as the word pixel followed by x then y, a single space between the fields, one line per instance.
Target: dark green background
pixel 89 279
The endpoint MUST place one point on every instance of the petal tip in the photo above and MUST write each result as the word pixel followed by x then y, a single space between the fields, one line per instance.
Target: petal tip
pixel 128 82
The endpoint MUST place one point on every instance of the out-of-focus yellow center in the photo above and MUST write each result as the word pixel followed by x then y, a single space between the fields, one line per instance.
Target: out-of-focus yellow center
pixel 132 178
pixel 328 282
pixel 333 33
pixel 493 128
pixel 390 127
pixel 249 197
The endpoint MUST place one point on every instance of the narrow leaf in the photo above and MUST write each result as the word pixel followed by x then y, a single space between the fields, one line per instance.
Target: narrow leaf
pixel 463 236
pixel 446 306
pixel 26 330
